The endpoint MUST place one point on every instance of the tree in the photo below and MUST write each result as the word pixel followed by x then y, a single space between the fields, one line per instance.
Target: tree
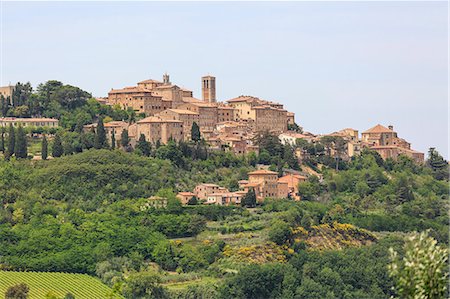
pixel 143 146
pixel 21 144
pixel 100 138
pixel 249 199
pixel 18 291
pixel 279 232
pixel 44 150
pixel 195 132
pixel 11 142
pixel 113 139
pixel 192 201
pixel 423 271
pixel 57 148
pixel 310 189
pixel 124 139
pixel 69 296
pixel 2 140
pixel 437 164
pixel 143 285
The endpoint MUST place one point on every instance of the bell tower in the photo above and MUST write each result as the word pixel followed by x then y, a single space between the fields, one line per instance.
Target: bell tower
pixel 209 89
pixel 166 80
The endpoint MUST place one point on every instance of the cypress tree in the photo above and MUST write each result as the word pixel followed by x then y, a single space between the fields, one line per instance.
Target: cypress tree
pixel 195 132
pixel 2 140
pixel 249 199
pixel 11 142
pixel 57 148
pixel 113 140
pixel 44 150
pixel 124 139
pixel 100 138
pixel 21 144
pixel 143 146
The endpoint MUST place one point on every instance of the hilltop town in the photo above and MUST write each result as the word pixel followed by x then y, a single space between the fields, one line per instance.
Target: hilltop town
pixel 168 112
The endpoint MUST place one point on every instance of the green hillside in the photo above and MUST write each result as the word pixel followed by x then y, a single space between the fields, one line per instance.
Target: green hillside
pixel 58 284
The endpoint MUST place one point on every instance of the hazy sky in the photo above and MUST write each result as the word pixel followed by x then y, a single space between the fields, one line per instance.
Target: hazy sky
pixel 335 64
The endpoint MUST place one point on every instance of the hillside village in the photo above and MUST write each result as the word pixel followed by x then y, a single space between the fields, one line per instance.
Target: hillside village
pixel 168 112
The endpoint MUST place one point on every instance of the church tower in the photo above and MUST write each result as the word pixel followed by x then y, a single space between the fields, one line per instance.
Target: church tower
pixel 209 89
pixel 166 80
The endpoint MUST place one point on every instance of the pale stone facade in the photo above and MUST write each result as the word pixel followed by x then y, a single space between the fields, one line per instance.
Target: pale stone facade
pixel 202 191
pixel 266 185
pixel 292 181
pixel 225 113
pixel 155 128
pixel 7 92
pixel 386 142
pixel 28 122
pixel 184 197
pixel 262 115
pixel 207 114
pixel 139 99
pixel 186 116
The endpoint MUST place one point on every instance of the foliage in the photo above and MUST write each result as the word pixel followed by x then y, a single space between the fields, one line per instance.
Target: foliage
pixel 423 271
pixel 195 132
pixel 249 199
pixel 143 146
pixel 44 148
pixel 57 147
pixel 18 291
pixel 21 144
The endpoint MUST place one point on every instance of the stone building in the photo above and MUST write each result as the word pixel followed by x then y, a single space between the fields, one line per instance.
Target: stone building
pixel 207 114
pixel 225 113
pixel 209 89
pixel 270 119
pixel 265 183
pixel 139 99
pixel 7 92
pixel 186 116
pixel 386 142
pixel 155 128
pixel 28 122
pixel 262 115
pixel 292 181
pixel 202 191
pixel 184 197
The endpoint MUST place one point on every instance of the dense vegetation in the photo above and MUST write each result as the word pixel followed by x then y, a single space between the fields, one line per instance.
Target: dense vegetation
pixel 113 213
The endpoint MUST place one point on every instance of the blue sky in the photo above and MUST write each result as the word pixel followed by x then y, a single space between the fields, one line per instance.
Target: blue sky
pixel 335 64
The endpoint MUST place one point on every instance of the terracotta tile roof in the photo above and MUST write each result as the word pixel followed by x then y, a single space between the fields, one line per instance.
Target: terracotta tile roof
pixel 133 89
pixel 150 81
pixel 116 124
pixel 186 193
pixel 191 99
pixel 183 111
pixel 155 119
pixel 292 178
pixel 262 172
pixel 378 129
pixel 166 86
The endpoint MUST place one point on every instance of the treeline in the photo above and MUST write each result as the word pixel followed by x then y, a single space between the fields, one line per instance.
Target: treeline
pixel 14 142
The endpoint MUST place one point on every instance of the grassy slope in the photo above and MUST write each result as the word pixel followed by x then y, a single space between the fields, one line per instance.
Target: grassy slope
pixel 59 284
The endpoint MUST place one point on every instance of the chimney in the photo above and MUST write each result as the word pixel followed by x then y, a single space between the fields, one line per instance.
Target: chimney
pixel 391 127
